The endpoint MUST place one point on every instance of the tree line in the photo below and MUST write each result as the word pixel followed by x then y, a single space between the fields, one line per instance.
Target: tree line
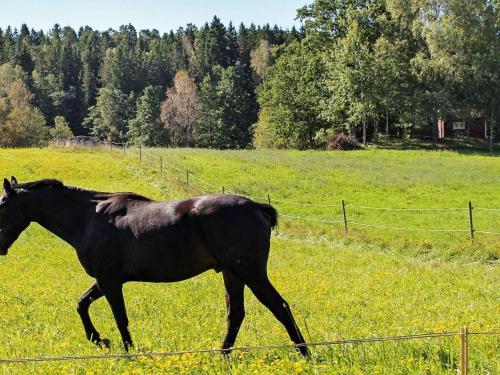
pixel 192 87
pixel 363 68
pixel 382 66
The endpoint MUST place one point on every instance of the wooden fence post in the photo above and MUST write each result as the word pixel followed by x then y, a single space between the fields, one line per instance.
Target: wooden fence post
pixel 471 222
pixel 187 176
pixel 140 154
pixel 161 165
pixel 223 190
pixel 345 217
pixel 464 350
pixel 124 148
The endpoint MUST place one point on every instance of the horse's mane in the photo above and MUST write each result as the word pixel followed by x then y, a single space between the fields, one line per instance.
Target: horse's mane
pixel 56 184
pixel 45 183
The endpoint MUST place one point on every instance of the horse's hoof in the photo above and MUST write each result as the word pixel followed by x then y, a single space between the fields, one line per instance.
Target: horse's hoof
pixel 305 352
pixel 128 345
pixel 104 343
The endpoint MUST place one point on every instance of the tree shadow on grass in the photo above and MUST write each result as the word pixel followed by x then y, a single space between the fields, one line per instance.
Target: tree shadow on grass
pixel 468 146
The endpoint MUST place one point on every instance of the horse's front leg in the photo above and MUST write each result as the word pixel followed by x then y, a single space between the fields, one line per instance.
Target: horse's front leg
pixel 82 307
pixel 112 290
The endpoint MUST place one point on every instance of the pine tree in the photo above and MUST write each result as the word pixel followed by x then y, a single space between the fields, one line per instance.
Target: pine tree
pixel 90 56
pixel 122 65
pixel 108 119
pixel 211 49
pixel 226 109
pixel 146 128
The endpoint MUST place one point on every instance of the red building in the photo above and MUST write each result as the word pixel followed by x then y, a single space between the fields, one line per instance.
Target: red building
pixel 475 127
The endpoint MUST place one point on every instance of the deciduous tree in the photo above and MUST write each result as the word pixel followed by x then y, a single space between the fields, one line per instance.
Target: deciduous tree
pixel 180 110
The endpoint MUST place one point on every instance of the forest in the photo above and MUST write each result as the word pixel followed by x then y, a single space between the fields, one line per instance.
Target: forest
pixel 368 69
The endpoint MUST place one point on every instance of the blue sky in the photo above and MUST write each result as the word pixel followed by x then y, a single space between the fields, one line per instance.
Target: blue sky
pixel 162 15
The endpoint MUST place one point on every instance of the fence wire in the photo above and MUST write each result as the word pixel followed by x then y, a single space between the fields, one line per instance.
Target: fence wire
pixel 243 348
pixel 310 219
pixel 407 229
pixel 406 208
pixel 486 232
pixel 216 189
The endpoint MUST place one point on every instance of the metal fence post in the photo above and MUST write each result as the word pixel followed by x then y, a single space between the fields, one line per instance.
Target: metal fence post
pixel 268 199
pixel 471 221
pixel 345 217
pixel 464 350
pixel 223 190
pixel 140 154
pixel 161 165
pixel 187 176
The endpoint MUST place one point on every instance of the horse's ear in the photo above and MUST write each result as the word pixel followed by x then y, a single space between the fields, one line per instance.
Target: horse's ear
pixel 7 188
pixel 13 181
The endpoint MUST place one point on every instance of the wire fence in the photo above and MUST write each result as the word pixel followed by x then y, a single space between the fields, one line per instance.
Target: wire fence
pixel 464 334
pixel 189 179
pixel 189 176
pixel 405 208
pixel 343 207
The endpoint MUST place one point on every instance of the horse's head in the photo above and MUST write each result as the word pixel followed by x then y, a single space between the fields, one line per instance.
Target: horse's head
pixel 12 219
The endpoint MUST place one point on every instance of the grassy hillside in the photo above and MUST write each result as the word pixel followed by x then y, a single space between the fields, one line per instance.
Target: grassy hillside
pixel 375 178
pixel 337 289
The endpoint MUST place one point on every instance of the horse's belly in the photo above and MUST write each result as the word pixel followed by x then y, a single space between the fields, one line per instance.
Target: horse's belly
pixel 164 265
pixel 166 276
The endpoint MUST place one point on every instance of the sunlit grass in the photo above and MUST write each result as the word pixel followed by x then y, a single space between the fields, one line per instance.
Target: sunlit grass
pixel 375 178
pixel 338 288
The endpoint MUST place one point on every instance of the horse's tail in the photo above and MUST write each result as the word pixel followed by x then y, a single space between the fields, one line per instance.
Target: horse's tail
pixel 270 213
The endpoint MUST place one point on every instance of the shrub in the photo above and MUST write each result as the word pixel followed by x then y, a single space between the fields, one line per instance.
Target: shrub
pixel 61 129
pixel 343 142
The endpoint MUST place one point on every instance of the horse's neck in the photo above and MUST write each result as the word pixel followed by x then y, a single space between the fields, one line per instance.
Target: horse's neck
pixel 63 212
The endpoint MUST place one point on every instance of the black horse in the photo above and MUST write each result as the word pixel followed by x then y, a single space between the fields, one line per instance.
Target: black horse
pixel 122 237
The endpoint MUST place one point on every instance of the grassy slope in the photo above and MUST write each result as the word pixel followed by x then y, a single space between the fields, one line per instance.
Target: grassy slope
pixel 378 178
pixel 337 291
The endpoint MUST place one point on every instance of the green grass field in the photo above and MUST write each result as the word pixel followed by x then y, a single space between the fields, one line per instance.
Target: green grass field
pixel 374 178
pixel 367 284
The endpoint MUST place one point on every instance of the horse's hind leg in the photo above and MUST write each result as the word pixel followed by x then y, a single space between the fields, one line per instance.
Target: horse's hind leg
pixel 269 297
pixel 82 307
pixel 235 308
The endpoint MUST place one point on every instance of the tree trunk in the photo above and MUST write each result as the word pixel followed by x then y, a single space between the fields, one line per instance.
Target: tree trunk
pixel 375 131
pixel 364 131
pixel 492 123
pixel 434 131
pixel 387 124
